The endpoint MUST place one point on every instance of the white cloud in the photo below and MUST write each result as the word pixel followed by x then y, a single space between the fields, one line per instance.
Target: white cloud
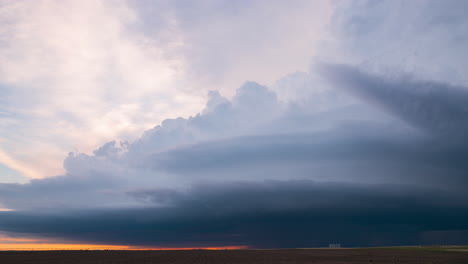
pixel 74 74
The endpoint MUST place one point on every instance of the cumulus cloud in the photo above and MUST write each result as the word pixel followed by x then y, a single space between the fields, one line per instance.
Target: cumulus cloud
pixel 71 81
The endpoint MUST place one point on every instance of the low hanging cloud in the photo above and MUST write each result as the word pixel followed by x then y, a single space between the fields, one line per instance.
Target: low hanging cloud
pixel 266 214
pixel 257 171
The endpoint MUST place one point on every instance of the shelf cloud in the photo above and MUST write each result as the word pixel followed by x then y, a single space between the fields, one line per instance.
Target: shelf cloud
pixel 253 162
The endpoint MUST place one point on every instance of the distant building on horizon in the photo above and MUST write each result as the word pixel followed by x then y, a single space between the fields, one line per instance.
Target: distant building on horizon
pixel 337 245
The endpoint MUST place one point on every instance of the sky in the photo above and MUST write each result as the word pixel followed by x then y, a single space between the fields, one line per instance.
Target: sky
pixel 233 124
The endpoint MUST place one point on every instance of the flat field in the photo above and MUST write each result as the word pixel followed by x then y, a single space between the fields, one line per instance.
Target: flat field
pixel 401 255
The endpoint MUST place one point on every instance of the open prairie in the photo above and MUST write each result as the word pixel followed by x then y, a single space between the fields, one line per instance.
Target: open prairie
pixel 284 256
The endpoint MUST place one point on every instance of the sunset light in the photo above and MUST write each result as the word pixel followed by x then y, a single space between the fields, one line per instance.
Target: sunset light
pixel 22 243
pixel 45 246
pixel 260 131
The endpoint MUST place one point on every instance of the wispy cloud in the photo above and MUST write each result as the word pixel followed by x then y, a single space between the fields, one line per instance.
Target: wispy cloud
pixel 72 79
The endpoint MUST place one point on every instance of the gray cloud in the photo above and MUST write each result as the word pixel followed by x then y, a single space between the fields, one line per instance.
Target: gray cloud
pixel 437 108
pixel 425 38
pixel 263 214
pixel 246 168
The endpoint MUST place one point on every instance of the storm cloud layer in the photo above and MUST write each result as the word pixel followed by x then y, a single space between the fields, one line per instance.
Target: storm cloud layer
pixel 386 168
pixel 268 214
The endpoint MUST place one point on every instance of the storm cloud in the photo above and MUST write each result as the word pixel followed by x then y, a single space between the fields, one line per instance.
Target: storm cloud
pixel 367 148
pixel 264 214
pixel 256 171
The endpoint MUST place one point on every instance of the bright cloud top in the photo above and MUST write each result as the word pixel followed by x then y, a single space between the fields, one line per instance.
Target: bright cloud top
pixel 111 69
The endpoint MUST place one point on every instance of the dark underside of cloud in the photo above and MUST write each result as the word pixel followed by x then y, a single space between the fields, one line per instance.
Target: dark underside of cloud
pixel 264 215
pixel 254 171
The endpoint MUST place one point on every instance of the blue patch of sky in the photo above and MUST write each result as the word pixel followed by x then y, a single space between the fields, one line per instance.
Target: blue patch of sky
pixel 8 175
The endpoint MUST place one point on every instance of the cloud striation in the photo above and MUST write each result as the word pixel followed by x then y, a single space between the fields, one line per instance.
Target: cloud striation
pixel 387 167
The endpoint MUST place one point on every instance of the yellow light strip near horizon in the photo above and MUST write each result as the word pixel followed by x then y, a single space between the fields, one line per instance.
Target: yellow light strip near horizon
pixel 46 247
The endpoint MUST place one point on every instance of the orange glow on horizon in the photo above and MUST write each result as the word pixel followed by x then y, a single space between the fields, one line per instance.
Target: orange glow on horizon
pixel 45 246
pixel 27 244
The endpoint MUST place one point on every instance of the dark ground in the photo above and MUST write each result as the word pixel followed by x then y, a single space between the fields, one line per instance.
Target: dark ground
pixel 284 256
